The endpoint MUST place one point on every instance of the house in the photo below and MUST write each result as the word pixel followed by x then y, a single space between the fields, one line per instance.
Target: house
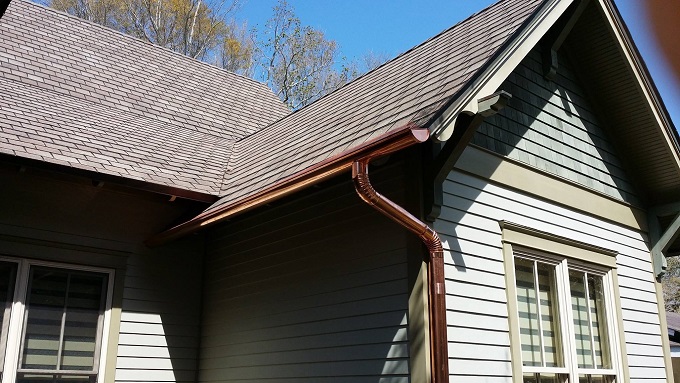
pixel 163 220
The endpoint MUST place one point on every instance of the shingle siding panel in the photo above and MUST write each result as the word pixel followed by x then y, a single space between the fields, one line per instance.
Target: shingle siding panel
pixel 551 125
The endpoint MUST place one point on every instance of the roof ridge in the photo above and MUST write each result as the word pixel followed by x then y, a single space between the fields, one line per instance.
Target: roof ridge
pixel 376 68
pixel 103 27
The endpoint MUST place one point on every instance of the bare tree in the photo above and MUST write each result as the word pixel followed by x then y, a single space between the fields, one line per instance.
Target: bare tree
pixel 372 60
pixel 298 61
pixel 191 27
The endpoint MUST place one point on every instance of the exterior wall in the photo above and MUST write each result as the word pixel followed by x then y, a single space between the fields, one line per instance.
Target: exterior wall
pixel 476 299
pixel 159 323
pixel 549 127
pixel 156 291
pixel 552 126
pixel 312 289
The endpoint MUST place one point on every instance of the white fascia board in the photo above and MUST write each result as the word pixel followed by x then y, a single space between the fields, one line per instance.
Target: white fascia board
pixel 635 62
pixel 500 68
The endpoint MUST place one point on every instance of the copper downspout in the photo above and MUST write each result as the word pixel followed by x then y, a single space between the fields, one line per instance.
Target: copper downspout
pixel 435 270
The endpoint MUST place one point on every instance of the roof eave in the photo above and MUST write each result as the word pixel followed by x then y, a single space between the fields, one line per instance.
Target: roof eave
pixel 98 177
pixel 496 70
pixel 651 93
pixel 324 170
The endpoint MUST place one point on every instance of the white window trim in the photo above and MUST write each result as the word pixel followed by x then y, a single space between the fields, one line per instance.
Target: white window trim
pixel 18 311
pixel 545 247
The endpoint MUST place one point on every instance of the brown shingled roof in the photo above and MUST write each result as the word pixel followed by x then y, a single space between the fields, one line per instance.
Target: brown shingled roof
pixel 82 95
pixel 62 129
pixel 407 90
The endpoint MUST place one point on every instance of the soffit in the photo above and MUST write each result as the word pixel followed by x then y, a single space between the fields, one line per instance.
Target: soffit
pixel 645 139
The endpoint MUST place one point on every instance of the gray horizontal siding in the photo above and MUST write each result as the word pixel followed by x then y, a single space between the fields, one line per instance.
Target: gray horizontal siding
pixel 476 299
pixel 552 126
pixel 159 327
pixel 158 291
pixel 311 290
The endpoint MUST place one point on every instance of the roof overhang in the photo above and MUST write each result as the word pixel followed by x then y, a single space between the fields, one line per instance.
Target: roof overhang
pixel 487 81
pixel 640 124
pixel 99 179
pixel 397 139
pixel 656 162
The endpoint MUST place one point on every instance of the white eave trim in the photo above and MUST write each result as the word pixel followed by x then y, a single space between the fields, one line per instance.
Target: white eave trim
pixel 500 68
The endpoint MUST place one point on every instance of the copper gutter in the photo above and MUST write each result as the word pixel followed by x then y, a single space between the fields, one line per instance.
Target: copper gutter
pixel 439 358
pixel 358 159
pixel 390 142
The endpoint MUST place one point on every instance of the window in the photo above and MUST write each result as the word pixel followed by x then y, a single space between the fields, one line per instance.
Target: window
pixel 53 322
pixel 562 306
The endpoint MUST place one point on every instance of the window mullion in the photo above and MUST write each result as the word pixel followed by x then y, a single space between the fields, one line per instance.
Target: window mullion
pixel 540 316
pixel 590 319
pixel 60 347
pixel 15 333
pixel 614 350
pixel 567 324
pixel 6 315
pixel 100 325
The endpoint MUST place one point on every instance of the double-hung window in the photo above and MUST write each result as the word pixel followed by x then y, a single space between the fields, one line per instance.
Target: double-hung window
pixel 53 322
pixel 564 324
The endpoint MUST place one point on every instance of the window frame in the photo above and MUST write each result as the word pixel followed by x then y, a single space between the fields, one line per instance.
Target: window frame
pixel 565 254
pixel 18 312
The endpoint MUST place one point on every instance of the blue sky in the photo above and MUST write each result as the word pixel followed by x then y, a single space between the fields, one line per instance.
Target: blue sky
pixel 393 26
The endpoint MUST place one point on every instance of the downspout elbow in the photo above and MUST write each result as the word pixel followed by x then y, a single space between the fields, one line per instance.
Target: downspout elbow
pixel 435 261
pixel 368 194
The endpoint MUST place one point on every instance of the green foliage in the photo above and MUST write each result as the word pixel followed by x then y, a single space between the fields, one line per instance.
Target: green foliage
pixel 237 50
pixel 200 29
pixel 104 12
pixel 190 27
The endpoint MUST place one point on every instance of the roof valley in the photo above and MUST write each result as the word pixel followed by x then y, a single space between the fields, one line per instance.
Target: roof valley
pixel 116 105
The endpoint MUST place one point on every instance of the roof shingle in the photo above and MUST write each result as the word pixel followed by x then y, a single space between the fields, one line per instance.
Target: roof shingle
pixel 57 128
pixel 79 94
pixel 409 89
